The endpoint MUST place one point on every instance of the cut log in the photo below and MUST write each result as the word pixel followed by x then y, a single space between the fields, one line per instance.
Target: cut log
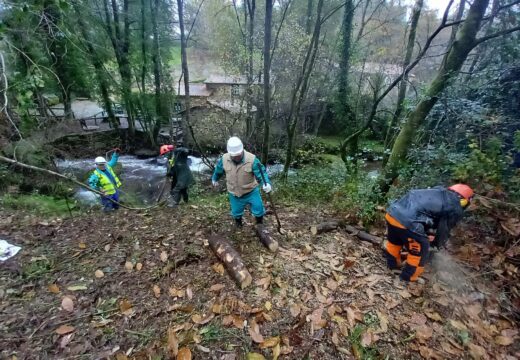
pixel 326 226
pixel 336 224
pixel 363 235
pixel 265 238
pixel 232 261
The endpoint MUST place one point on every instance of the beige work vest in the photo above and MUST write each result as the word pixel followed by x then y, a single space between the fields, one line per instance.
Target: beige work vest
pixel 240 178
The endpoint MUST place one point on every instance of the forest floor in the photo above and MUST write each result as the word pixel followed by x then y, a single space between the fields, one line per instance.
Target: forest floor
pixel 144 284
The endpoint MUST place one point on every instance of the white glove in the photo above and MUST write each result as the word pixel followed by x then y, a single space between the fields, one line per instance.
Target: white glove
pixel 214 183
pixel 267 188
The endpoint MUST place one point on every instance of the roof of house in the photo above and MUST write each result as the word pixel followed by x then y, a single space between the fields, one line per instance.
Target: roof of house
pixel 196 89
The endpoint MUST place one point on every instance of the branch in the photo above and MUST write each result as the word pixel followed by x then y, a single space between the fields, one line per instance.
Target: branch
pixel 336 9
pixel 278 31
pixel 53 173
pixel 238 20
pixel 194 20
pixel 495 35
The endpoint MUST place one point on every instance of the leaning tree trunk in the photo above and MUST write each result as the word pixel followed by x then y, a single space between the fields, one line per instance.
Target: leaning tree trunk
pixel 251 9
pixel 267 77
pixel 162 115
pixel 401 96
pixel 465 42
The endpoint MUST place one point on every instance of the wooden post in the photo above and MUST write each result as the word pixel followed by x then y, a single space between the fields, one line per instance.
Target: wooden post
pixel 232 261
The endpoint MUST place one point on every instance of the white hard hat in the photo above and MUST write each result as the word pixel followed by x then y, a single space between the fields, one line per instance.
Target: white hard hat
pixel 235 146
pixel 100 160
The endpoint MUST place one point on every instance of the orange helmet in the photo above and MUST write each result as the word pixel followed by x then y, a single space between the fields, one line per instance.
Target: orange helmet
pixel 166 148
pixel 463 190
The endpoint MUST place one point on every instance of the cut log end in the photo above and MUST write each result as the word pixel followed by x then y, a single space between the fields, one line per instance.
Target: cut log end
pixel 265 238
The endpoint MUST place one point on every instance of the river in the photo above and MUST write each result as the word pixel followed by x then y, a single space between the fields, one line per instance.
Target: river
pixel 141 178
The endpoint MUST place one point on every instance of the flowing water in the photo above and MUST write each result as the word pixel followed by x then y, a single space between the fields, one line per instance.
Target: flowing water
pixel 141 178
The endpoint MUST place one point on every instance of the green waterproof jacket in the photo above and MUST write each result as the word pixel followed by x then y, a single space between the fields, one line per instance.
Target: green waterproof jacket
pixel 180 172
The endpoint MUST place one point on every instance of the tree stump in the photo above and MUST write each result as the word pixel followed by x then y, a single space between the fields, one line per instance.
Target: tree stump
pixel 231 259
pixel 265 238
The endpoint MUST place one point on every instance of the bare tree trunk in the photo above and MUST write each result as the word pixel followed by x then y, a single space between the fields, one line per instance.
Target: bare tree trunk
pixel 300 90
pixel 464 43
pixel 186 75
pixel 162 115
pixel 308 20
pixel 416 14
pixel 121 45
pixel 267 77
pixel 251 8
pixel 143 44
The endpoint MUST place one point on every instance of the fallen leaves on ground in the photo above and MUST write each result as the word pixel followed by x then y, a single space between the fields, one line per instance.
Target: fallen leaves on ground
pixel 184 354
pixel 64 329
pixel 129 266
pixel 270 342
pixel 156 291
pixel 67 304
pixel 172 343
pixel 99 274
pixel 164 256
pixel 197 319
pixel 218 268
pixel 254 332
pixel 254 356
pixel 53 288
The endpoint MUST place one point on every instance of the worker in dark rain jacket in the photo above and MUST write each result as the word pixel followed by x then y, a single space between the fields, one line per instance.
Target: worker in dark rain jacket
pixel 413 218
pixel 181 176
pixel 243 174
pixel 105 180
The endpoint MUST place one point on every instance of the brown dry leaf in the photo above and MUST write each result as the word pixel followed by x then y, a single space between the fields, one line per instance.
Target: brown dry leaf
pixel 227 320
pixel 295 310
pixel 176 292
pixel 124 305
pixel 66 340
pixel 348 263
pixel 99 274
pixel 446 347
pixel 254 356
pixel 428 353
pixel 53 288
pixel 121 356
pixel 254 332
pixel 383 322
pixel 197 319
pixel 270 342
pixel 218 268
pixel 512 226
pixel 164 256
pixel 423 332
pixel 217 287
pixel 189 293
pixel 138 266
pixel 433 316
pixel 129 266
pixel 67 304
pixel 458 325
pixel 107 247
pixel 473 310
pixel 335 338
pixel 82 245
pixel 366 339
pixel 405 294
pixel 264 282
pixel 391 303
pixel 316 318
pixel 417 319
pixel 64 329
pixel 184 354
pixel 156 291
pixel 268 306
pixel 504 340
pixel 173 343
pixel 276 351
pixel 351 316
pixel 477 352
pixel 238 321
pixel 331 284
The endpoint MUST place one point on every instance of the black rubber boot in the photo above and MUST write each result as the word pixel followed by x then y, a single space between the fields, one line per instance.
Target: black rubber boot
pixel 259 220
pixel 239 223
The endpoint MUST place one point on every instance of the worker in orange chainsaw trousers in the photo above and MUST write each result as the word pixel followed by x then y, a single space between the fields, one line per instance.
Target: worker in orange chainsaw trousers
pixel 413 218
